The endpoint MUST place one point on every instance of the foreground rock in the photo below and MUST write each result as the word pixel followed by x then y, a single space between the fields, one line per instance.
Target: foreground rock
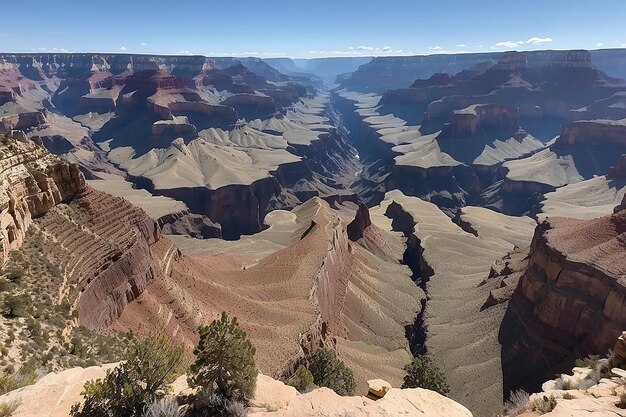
pixel 54 394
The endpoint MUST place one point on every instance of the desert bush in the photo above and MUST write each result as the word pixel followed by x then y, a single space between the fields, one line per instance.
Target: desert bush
pixel 590 361
pixel 25 376
pixel 517 403
pixel 167 407
pixel 622 400
pixel 208 402
pixel 130 387
pixel 543 404
pixel 15 305
pixel 422 372
pixel 224 360
pixel 563 383
pixel 568 396
pixel 329 371
pixel 302 379
pixel 8 408
pixel 15 275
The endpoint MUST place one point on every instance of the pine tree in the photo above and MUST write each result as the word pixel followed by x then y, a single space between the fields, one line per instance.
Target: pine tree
pixel 302 379
pixel 422 372
pixel 224 360
pixel 329 371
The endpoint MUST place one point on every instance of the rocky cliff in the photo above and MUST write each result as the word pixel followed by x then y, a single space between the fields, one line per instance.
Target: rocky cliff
pixel 594 132
pixel 570 302
pixel 480 118
pixel 34 181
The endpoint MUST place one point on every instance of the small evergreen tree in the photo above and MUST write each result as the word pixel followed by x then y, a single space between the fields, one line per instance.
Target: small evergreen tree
pixel 131 386
pixel 224 360
pixel 302 379
pixel 422 372
pixel 329 371
pixel 15 305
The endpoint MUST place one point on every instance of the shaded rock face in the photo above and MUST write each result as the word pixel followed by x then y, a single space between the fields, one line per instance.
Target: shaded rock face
pixel 481 118
pixel 34 181
pixel 252 106
pixel 189 224
pixel 359 224
pixel 570 302
pixel 238 209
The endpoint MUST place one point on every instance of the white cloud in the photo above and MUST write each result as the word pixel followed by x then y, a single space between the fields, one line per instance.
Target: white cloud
pixel 143 44
pixel 531 41
pixel 52 50
pixel 123 48
pixel 435 48
pixel 185 52
pixel 361 50
pixel 623 45
pixel 461 45
pixel 599 44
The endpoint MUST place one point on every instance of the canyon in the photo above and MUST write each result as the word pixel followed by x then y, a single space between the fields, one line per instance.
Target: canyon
pixel 468 207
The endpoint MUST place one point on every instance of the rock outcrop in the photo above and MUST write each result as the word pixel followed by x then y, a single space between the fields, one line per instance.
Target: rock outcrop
pixel 57 392
pixel 571 300
pixel 33 182
pixel 480 118
pixel 595 132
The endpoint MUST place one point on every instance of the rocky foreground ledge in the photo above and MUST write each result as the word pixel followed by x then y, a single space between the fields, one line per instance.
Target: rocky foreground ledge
pixel 54 394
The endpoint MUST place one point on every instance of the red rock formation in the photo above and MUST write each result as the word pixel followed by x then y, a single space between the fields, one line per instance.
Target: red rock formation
pixel 593 132
pixel 571 301
pixel 112 250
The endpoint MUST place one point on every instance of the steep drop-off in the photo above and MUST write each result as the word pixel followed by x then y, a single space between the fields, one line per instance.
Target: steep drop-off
pixel 569 303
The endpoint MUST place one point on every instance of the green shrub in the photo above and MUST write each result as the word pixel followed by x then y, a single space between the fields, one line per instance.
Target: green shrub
pixel 25 376
pixel 329 371
pixel 127 389
pixel 590 361
pixel 15 305
pixel 422 372
pixel 224 360
pixel 302 379
pixel 15 275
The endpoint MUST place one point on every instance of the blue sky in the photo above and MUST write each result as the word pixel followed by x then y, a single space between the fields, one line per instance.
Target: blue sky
pixel 269 28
